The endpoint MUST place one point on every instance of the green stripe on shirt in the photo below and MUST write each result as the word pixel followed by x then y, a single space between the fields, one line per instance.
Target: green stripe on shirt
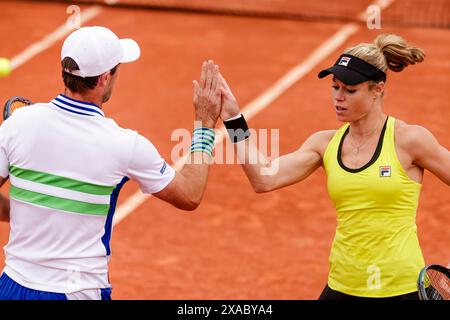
pixel 58 203
pixel 61 182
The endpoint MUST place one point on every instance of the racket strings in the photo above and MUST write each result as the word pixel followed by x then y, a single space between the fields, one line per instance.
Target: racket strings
pixel 13 104
pixel 16 105
pixel 437 285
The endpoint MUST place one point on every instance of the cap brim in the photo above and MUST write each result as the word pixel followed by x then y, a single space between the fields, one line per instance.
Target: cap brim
pixel 344 74
pixel 131 50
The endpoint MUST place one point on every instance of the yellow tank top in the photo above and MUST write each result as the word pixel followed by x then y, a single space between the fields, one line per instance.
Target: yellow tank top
pixel 375 252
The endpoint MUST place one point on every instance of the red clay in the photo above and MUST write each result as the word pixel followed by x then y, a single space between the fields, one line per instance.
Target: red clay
pixel 238 244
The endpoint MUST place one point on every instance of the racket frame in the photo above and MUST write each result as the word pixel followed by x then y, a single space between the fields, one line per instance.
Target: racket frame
pixel 7 107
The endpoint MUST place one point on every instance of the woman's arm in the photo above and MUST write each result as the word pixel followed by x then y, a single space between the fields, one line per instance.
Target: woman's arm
pixel 426 152
pixel 264 174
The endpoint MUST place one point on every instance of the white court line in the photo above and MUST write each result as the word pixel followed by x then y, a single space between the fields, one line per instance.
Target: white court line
pixel 265 99
pixel 51 38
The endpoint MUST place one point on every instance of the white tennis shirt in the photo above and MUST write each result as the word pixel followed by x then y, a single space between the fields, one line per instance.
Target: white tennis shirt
pixel 66 163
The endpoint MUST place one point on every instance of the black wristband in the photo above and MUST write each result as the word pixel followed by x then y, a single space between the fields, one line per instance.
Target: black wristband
pixel 237 129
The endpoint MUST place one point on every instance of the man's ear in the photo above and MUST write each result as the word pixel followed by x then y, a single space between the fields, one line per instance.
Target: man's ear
pixel 103 79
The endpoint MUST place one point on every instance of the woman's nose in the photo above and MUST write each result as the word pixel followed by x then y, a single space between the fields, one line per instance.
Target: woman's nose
pixel 339 95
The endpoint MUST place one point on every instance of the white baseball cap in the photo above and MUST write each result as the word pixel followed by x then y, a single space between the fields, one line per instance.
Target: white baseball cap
pixel 97 50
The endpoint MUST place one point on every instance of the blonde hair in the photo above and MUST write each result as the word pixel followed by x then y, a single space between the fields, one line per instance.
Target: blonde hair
pixel 388 51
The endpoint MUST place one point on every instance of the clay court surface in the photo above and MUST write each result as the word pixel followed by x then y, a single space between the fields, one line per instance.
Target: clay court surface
pixel 237 244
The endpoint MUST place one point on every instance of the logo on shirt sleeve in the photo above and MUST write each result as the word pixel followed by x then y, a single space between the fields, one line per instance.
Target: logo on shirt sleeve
pixel 163 169
pixel 385 171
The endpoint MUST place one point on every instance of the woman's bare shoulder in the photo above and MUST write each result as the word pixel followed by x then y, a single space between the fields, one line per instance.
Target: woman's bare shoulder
pixel 409 135
pixel 320 140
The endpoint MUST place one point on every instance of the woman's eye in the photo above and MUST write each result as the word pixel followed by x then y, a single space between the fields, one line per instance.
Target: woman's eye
pixel 351 91
pixel 335 87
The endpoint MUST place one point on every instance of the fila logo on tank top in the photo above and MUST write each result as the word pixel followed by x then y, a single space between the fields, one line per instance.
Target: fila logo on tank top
pixel 385 171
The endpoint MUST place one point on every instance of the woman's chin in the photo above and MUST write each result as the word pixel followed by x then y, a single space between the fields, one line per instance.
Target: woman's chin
pixel 342 118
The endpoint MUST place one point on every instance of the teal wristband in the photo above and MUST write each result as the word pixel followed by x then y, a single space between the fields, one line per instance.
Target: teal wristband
pixel 203 140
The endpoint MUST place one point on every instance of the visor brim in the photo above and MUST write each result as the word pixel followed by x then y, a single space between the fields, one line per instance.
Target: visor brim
pixel 344 74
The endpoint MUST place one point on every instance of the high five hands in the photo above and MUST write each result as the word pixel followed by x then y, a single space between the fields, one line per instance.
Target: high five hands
pixel 213 97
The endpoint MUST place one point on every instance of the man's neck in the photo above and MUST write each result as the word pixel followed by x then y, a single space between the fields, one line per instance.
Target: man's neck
pixel 85 97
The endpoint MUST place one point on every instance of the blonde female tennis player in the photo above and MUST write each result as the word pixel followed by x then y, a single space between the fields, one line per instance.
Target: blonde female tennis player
pixel 374 165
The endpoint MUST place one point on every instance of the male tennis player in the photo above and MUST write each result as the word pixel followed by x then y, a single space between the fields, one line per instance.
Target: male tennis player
pixel 67 163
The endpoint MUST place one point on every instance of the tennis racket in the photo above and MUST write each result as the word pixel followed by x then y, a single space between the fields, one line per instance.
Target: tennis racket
pixel 14 103
pixel 434 283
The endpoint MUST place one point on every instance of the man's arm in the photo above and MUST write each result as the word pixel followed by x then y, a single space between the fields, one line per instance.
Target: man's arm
pixel 4 204
pixel 186 190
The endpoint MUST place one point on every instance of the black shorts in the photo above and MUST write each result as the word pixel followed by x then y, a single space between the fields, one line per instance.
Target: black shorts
pixel 330 294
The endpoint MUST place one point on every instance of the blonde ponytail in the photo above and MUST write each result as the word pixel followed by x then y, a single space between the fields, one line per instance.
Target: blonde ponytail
pixel 388 51
pixel 397 52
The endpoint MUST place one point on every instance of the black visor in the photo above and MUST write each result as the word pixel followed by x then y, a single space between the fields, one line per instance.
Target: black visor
pixel 352 70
